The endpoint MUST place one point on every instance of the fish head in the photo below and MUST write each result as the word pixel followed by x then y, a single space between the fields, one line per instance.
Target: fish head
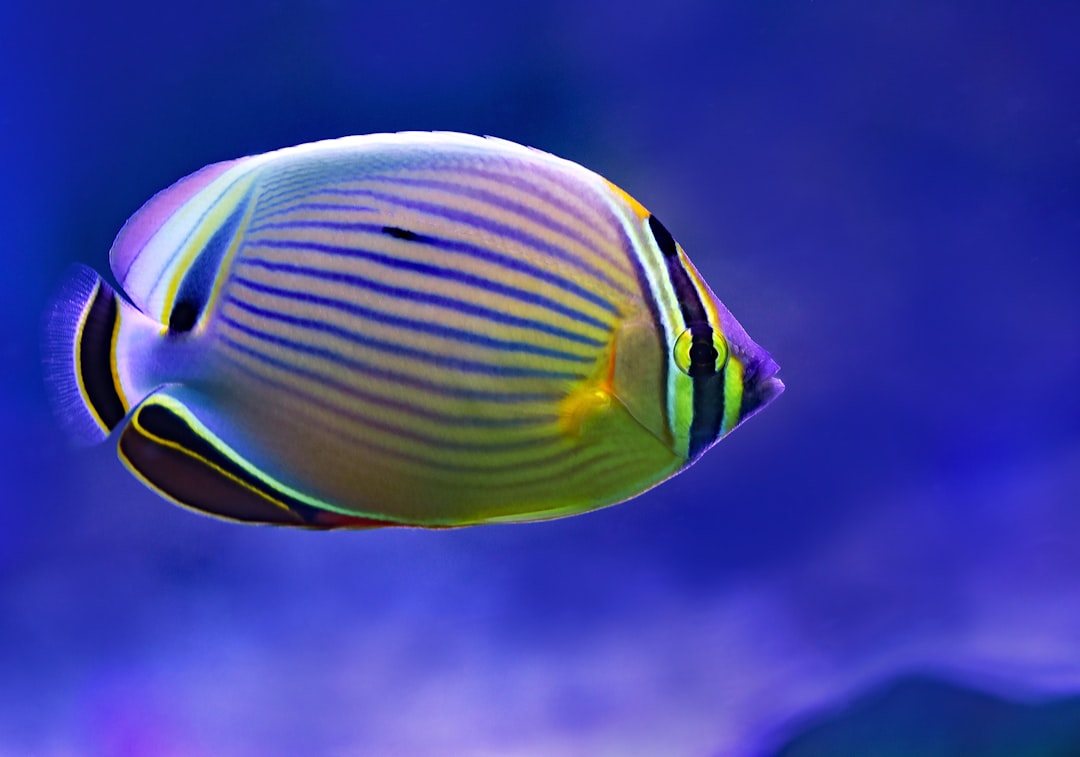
pixel 720 378
pixel 691 391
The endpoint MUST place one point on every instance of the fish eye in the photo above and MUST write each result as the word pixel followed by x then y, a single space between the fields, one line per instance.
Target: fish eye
pixel 700 354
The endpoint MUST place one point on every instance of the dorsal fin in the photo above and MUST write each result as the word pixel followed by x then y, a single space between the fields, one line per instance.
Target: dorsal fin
pixel 173 452
pixel 160 243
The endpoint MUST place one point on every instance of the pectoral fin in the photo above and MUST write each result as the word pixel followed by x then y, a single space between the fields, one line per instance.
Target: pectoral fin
pixel 165 444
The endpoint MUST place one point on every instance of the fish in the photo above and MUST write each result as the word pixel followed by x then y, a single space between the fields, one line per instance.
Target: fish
pixel 424 329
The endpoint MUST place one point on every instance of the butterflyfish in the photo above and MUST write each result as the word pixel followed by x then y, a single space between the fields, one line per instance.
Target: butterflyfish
pixel 416 329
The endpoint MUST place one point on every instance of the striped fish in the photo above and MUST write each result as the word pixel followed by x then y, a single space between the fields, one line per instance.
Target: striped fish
pixel 424 329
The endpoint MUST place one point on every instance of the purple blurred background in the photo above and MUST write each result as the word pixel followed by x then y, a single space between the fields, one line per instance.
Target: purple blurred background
pixel 886 194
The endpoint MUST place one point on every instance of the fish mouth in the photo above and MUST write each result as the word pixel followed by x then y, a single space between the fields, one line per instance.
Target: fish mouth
pixel 760 389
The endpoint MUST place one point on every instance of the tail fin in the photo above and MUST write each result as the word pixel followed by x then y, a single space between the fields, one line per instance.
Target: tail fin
pixel 80 372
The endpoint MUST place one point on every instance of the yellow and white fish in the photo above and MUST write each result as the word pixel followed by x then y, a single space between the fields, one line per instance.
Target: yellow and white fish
pixel 423 329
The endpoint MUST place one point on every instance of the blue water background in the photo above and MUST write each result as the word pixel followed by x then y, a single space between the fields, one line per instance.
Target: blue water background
pixel 886 194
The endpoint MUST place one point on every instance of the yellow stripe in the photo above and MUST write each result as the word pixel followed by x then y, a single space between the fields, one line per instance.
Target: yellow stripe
pixel 355 422
pixel 603 254
pixel 733 392
pixel 112 359
pixel 706 296
pixel 577 353
pixel 410 490
pixel 433 283
pixel 187 453
pixel 639 209
pixel 351 383
pixel 226 265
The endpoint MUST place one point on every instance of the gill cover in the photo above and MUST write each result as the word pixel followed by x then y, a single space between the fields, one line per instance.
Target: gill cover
pixel 639 378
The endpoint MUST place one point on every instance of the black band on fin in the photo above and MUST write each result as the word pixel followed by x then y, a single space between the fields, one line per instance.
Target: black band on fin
pixel 171 456
pixel 95 357
pixel 198 282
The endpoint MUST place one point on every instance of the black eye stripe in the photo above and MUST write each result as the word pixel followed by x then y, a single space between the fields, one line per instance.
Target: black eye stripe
pixel 703 353
pixel 686 294
pixel 708 400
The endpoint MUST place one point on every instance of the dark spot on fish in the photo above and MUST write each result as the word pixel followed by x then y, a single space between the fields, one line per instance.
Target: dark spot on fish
pixel 398 233
pixel 183 317
pixel 663 238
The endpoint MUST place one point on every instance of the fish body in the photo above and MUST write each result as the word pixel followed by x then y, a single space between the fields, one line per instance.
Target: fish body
pixel 426 329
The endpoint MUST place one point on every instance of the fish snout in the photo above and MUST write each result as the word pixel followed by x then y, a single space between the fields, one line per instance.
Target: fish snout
pixel 760 388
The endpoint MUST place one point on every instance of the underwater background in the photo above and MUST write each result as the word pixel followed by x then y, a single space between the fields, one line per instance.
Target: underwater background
pixel 885 562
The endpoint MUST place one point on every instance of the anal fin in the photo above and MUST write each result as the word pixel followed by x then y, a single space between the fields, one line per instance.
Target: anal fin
pixel 165 444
